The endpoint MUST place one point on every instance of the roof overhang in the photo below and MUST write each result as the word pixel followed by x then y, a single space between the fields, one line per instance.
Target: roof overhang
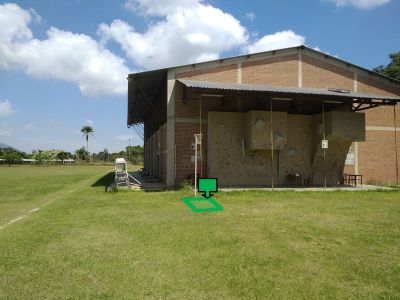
pixel 143 89
pixel 361 101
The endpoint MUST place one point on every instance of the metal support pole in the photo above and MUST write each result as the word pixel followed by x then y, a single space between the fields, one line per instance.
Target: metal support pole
pixel 195 166
pixel 395 145
pixel 197 140
pixel 323 137
pixel 201 148
pixel 272 148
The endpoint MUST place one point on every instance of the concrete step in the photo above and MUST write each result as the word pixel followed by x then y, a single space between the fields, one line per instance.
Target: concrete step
pixel 134 186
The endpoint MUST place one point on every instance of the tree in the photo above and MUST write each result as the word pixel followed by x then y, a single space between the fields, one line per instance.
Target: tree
pixel 87 130
pixel 11 157
pixel 47 156
pixel 62 155
pixel 82 154
pixel 393 68
pixel 102 155
pixel 136 153
pixel 37 154
pixel 106 154
pixel 122 153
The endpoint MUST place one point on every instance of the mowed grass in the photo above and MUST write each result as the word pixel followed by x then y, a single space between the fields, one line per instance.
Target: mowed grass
pixel 134 245
pixel 26 187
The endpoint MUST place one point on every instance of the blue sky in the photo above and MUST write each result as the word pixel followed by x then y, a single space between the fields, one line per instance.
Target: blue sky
pixel 63 64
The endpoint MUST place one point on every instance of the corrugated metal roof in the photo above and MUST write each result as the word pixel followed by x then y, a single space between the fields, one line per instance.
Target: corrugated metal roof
pixel 279 90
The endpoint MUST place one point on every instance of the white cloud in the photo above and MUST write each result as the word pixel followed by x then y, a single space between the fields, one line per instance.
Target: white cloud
pixel 89 122
pixel 159 7
pixel 123 137
pixel 250 16
pixel 179 32
pixel 363 4
pixel 278 40
pixel 5 108
pixel 187 32
pixel 64 55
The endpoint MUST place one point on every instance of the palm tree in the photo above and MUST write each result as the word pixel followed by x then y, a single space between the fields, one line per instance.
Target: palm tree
pixel 87 130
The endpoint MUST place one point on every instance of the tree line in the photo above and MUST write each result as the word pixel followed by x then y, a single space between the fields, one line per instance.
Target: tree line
pixel 393 68
pixel 133 154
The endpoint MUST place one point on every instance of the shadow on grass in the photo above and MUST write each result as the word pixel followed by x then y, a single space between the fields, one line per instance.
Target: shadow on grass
pixel 106 180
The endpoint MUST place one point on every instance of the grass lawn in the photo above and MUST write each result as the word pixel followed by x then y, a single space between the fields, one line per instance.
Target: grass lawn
pixel 84 243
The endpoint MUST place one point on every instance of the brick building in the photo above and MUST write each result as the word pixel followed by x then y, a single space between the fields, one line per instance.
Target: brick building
pixel 263 117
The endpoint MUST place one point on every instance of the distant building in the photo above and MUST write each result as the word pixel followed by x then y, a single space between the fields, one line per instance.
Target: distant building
pixel 29 161
pixel 306 95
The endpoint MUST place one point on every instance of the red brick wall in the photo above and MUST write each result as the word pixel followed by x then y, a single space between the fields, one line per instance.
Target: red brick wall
pixel 380 116
pixel 276 71
pixel 371 86
pixel 377 153
pixel 191 109
pixel 321 74
pixel 377 157
pixel 184 136
pixel 227 73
